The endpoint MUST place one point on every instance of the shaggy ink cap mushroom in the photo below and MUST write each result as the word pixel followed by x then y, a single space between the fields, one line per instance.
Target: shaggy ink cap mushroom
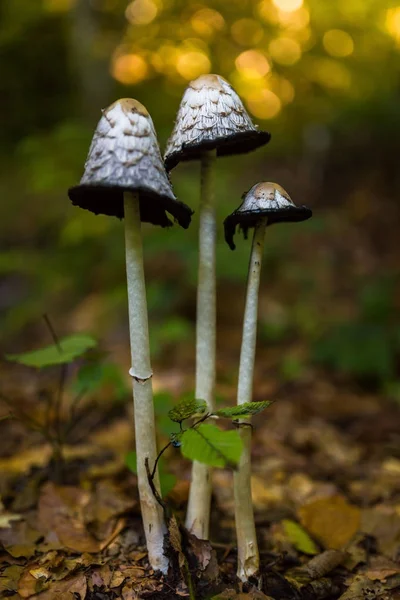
pixel 211 117
pixel 125 157
pixel 264 199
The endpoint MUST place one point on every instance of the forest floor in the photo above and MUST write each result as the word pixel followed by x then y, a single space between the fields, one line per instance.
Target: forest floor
pixel 326 493
pixel 326 469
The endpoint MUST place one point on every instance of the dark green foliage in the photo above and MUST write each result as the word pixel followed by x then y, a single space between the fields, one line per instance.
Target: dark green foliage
pixel 243 410
pixel 186 409
pixel 367 347
pixel 361 349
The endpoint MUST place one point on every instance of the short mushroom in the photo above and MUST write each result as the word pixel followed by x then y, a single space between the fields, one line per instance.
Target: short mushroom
pixel 211 122
pixel 124 176
pixel 265 204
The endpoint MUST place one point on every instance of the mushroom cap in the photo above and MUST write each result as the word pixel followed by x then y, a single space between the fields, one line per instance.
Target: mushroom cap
pixel 125 156
pixel 211 116
pixel 264 199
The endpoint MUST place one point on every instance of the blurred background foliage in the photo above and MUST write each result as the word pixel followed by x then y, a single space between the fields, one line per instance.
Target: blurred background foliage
pixel 323 77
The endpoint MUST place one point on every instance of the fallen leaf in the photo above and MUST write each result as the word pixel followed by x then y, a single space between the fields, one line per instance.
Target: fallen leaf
pixel 233 595
pixel 265 492
pixel 383 523
pixel 380 568
pixel 60 512
pixel 298 537
pixel 10 577
pixel 29 585
pixel 68 589
pixel 362 588
pixel 6 519
pixel 202 557
pixel 19 539
pixel 332 521
pixel 175 539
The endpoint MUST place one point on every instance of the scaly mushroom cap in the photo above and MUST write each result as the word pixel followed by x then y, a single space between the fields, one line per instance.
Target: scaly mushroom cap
pixel 125 156
pixel 211 116
pixel 263 200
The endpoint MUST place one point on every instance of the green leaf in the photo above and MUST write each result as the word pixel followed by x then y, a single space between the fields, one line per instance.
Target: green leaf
pixel 167 480
pixel 186 409
pixel 208 444
pixel 69 348
pixel 247 409
pixel 299 538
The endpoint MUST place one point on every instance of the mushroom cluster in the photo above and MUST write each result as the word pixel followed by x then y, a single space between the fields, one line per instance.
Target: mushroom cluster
pixel 125 176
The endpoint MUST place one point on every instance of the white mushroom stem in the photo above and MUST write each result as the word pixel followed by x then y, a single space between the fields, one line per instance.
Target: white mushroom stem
pixel 248 556
pixel 145 433
pixel 198 513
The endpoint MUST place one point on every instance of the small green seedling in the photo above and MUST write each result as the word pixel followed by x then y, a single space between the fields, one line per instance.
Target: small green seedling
pixel 92 373
pixel 205 442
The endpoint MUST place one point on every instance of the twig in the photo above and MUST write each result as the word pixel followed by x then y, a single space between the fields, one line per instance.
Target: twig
pixel 52 332
pixel 150 478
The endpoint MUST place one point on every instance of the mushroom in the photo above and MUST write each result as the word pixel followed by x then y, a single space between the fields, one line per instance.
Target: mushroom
pixel 124 176
pixel 264 204
pixel 211 122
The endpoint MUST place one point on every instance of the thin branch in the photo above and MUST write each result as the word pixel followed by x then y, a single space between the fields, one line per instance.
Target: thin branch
pixel 150 479
pixel 158 458
pixel 52 332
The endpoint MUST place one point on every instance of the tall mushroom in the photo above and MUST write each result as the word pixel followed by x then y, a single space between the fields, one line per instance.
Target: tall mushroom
pixel 124 176
pixel 265 204
pixel 211 122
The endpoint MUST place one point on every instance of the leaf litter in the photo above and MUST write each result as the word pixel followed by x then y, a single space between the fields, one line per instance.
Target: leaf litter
pixel 326 494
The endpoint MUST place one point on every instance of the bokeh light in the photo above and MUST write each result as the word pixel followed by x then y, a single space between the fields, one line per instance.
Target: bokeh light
pixel 141 12
pixel 330 74
pixel 252 64
pixel 285 51
pixel 58 5
pixel 192 64
pixel 264 104
pixel 129 68
pixel 392 22
pixel 247 32
pixel 288 5
pixel 207 21
pixel 338 43
pixel 294 20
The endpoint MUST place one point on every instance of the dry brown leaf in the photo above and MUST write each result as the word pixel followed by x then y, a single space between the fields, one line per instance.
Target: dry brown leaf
pixel 68 589
pixel 362 588
pixel 380 568
pixel 383 523
pixel 60 512
pixel 332 521
pixel 266 492
pixel 230 594
pixel 175 539
pixel 107 502
pixel 19 539
pixel 29 585
pixel 23 462
pixel 202 557
pixel 10 577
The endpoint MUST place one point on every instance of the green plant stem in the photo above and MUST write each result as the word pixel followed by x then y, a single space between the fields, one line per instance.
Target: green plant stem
pixel 198 513
pixel 248 555
pixel 145 433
